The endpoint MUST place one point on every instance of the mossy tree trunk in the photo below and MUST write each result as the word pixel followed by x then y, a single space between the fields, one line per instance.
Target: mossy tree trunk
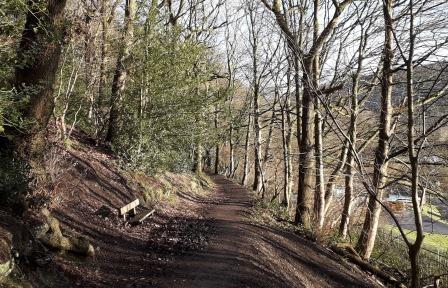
pixel 38 59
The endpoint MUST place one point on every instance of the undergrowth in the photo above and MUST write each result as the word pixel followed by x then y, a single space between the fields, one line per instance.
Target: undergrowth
pixel 163 189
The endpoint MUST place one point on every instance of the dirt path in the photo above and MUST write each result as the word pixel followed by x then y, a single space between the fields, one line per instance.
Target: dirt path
pixel 244 254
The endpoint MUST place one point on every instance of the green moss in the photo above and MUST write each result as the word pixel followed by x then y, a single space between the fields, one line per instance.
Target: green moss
pixel 68 143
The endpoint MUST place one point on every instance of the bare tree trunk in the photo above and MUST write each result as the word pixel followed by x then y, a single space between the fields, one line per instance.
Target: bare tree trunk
pixel 334 176
pixel 319 202
pixel 366 241
pixel 267 152
pixel 346 210
pixel 288 181
pixel 246 149
pixel 414 249
pixel 231 153
pixel 257 140
pixel 38 57
pixel 319 193
pixel 217 144
pixel 118 83
pixel 306 148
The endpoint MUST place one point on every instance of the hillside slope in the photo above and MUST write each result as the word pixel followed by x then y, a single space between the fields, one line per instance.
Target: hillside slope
pixel 201 235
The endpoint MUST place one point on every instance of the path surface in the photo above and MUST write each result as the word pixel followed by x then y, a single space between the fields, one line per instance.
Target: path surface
pixel 406 219
pixel 244 254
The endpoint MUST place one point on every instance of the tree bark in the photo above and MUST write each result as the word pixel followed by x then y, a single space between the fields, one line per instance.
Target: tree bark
pixel 231 153
pixel 351 145
pixel 366 241
pixel 246 149
pixel 38 57
pixel 197 164
pixel 414 249
pixel 257 140
pixel 306 148
pixel 217 144
pixel 121 72
pixel 288 181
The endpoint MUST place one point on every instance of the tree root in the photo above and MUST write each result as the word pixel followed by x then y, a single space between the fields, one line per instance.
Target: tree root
pixel 50 234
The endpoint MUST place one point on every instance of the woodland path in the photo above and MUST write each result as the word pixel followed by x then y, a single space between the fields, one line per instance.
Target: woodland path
pixel 242 253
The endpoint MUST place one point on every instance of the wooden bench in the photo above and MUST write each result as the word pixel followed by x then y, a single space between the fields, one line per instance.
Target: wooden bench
pixel 131 209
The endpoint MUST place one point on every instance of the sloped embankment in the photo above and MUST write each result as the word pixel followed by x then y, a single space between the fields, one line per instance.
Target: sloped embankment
pixel 88 191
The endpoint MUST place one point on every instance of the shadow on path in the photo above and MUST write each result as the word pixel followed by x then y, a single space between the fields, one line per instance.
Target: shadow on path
pixel 244 254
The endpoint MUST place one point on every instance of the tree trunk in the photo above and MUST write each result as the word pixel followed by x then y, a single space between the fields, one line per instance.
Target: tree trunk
pixel 217 159
pixel 334 177
pixel 103 76
pixel 197 164
pixel 366 241
pixel 257 140
pixel 217 144
pixel 414 253
pixel 414 249
pixel 319 202
pixel 288 182
pixel 306 148
pixel 231 154
pixel 119 80
pixel 267 154
pixel 346 210
pixel 246 149
pixel 38 58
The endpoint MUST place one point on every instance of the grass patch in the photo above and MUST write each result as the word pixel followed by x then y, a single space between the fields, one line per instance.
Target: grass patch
pixel 391 251
pixel 164 188
pixel 433 212
pixel 431 241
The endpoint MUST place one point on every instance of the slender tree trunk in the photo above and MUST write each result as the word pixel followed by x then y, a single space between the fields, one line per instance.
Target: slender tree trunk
pixel 231 153
pixel 319 202
pixel 306 148
pixel 217 144
pixel 366 241
pixel 334 177
pixel 217 159
pixel 346 210
pixel 38 57
pixel 288 182
pixel 246 149
pixel 118 83
pixel 298 96
pixel 267 152
pixel 414 249
pixel 88 60
pixel 257 140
